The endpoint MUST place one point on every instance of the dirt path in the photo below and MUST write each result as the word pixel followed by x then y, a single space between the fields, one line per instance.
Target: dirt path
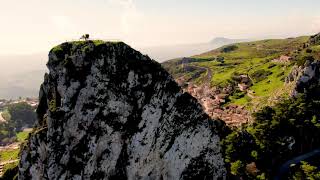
pixel 12 146
pixel 4 163
pixel 1 118
pixel 8 162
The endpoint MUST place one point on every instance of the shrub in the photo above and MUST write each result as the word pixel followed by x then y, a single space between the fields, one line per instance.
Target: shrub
pixel 260 75
pixel 229 48
pixel 301 61
pixel 305 171
pixel 52 105
pixel 271 66
pixel 220 59
pixel 308 50
pixel 236 167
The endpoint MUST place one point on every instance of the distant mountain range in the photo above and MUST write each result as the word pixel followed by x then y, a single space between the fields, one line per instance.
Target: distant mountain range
pixel 163 53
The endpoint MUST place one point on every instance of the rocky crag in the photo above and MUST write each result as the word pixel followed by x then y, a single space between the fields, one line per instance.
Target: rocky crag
pixel 303 77
pixel 108 112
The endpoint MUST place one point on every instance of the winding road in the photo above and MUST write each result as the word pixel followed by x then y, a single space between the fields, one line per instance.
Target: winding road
pixel 285 168
pixel 208 70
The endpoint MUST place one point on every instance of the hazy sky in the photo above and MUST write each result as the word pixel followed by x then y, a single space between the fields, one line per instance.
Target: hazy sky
pixel 29 26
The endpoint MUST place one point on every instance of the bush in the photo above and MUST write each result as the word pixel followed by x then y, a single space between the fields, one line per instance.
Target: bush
pixel 238 94
pixel 229 48
pixel 220 59
pixel 305 171
pixel 301 61
pixel 53 105
pixel 260 75
pixel 308 50
pixel 236 167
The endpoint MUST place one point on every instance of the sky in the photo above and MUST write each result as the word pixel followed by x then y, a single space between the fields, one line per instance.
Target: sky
pixel 31 26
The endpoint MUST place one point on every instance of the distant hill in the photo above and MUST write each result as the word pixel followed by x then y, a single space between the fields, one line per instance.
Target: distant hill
pixel 224 41
pixel 163 53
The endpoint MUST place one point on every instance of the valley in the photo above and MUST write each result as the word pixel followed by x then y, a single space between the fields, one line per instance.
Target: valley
pixel 276 85
pixel 160 90
pixel 235 80
pixel 265 92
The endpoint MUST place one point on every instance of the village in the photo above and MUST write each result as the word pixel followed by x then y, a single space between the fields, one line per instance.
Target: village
pixel 213 99
pixel 31 101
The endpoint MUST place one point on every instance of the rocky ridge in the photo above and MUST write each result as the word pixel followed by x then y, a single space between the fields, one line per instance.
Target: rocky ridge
pixel 108 112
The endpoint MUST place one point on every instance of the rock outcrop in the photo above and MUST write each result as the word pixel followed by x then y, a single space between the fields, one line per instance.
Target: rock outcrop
pixel 315 39
pixel 304 76
pixel 108 112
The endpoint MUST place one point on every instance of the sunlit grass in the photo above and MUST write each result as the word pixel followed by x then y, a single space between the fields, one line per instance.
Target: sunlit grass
pixel 22 136
pixel 7 155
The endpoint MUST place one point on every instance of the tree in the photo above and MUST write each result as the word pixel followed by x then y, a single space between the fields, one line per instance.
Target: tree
pixel 22 115
pixel 305 171
pixel 85 37
pixel 302 60
pixel 236 167
pixel 308 50
pixel 220 59
pixel 229 48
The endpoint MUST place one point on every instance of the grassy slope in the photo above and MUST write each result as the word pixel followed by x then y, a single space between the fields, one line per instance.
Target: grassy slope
pixel 22 136
pixel 9 155
pixel 248 58
pixel 12 154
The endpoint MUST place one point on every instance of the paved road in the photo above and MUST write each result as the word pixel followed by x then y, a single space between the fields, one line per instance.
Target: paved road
pixel 285 168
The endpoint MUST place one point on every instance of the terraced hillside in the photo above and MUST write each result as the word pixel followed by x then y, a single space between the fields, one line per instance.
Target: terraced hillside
pixel 235 80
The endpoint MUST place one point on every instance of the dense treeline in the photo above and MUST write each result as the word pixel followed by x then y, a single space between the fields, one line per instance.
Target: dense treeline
pixel 22 115
pixel 279 133
pixel 17 116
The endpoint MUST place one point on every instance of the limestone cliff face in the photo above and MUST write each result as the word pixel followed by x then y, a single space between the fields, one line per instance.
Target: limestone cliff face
pixel 108 112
